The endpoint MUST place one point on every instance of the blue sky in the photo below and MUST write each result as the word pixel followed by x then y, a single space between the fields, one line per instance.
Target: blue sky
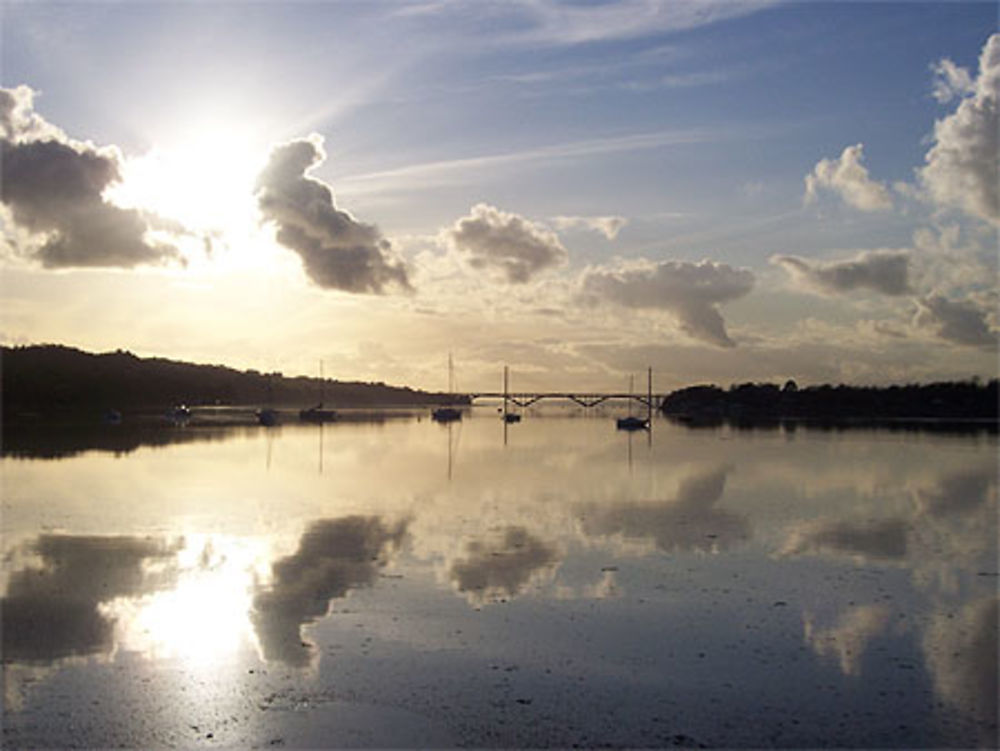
pixel 693 125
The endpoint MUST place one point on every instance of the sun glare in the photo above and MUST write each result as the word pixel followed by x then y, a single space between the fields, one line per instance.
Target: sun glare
pixel 204 618
pixel 203 178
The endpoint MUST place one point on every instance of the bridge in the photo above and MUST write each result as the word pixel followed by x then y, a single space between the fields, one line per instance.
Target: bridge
pixel 527 398
pixel 523 399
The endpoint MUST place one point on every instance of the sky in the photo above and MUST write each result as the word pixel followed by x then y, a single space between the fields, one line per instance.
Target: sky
pixel 722 191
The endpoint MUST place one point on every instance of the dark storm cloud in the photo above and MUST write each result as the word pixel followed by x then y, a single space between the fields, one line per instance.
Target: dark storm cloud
pixel 691 292
pixel 53 190
pixel 334 557
pixel 505 243
pixel 885 271
pixel 50 610
pixel 337 251
pixel 688 523
pixel 501 567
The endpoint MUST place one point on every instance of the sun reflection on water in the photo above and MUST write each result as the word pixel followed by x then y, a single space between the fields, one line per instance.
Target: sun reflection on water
pixel 204 619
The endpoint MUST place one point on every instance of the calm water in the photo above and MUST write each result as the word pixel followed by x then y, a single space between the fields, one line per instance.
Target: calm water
pixel 411 584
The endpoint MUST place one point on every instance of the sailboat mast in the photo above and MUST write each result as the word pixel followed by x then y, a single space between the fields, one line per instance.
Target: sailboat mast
pixel 649 397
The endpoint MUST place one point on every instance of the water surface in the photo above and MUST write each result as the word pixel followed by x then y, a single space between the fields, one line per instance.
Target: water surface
pixel 405 583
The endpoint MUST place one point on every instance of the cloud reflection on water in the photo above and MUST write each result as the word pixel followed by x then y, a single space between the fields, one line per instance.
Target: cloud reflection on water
pixel 689 523
pixel 51 609
pixel 334 556
pixel 502 566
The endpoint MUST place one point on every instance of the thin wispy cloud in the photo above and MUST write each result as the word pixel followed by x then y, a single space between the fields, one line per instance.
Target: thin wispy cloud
pixel 451 171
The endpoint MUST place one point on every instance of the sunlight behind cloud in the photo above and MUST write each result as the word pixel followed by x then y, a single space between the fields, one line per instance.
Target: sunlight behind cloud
pixel 202 178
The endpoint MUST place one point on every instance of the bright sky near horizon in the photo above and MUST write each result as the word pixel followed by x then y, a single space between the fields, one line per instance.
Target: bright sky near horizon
pixel 725 191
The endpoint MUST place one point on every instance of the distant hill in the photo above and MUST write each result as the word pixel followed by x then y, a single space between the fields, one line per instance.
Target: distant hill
pixel 956 400
pixel 53 379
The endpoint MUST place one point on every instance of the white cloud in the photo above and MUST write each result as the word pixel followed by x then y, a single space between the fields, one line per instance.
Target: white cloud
pixel 885 271
pixel 52 190
pixel 337 251
pixel 951 81
pixel 848 178
pixel 691 292
pixel 962 165
pixel 609 226
pixel 556 22
pixel 961 322
pixel 506 243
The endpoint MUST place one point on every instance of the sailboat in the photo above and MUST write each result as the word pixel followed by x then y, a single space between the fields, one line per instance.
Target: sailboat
pixel 448 414
pixel 317 413
pixel 632 422
pixel 267 416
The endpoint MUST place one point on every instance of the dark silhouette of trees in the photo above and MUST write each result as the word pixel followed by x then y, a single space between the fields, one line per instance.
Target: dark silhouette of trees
pixel 49 379
pixel 952 400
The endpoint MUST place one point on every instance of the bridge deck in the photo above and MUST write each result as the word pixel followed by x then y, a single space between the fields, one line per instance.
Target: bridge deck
pixel 584 399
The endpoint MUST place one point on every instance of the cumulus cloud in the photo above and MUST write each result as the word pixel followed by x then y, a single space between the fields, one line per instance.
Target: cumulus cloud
pixel 962 166
pixel 334 557
pixel 951 81
pixel 609 226
pixel 337 251
pixel 885 271
pixel 848 178
pixel 52 189
pixel 503 566
pixel 505 243
pixel 958 321
pixel 691 292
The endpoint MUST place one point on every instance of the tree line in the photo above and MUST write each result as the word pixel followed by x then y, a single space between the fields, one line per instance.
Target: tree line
pixel 48 379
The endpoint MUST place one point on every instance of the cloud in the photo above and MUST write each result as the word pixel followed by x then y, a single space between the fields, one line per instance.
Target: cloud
pixel 848 178
pixel 53 189
pixel 876 539
pixel 51 611
pixel 337 251
pixel 556 22
pixel 502 567
pixel 609 226
pixel 334 557
pixel 962 166
pixel 885 271
pixel 961 322
pixel 688 523
pixel 951 81
pixel 506 243
pixel 849 639
pixel 18 120
pixel 691 292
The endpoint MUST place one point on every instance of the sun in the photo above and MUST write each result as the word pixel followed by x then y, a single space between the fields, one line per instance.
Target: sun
pixel 202 177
